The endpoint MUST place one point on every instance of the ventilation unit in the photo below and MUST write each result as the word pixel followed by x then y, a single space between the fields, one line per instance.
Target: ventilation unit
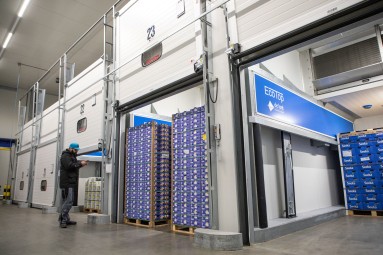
pixel 351 63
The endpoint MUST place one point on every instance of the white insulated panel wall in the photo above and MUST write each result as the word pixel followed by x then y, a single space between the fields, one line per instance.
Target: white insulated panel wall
pixel 85 104
pixel 273 172
pixel 314 174
pixel 287 66
pixel 369 122
pixel 262 20
pixel 179 50
pixel 27 136
pixel 22 174
pixel 49 123
pixel 45 169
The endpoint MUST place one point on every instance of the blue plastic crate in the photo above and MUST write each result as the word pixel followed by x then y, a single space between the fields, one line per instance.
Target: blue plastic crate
pixel 366 143
pixel 364 150
pixel 355 205
pixel 367 158
pixel 356 197
pixel 373 206
pixel 350 160
pixel 349 152
pixel 344 139
pixel 353 190
pixel 379 148
pixel 371 197
pixel 370 181
pixel 369 173
pixel 353 182
pixel 368 189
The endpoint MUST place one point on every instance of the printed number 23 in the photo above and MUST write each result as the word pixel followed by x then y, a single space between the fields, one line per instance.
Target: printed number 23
pixel 151 32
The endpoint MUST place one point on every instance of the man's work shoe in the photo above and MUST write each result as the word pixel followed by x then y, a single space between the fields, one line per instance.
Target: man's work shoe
pixel 71 222
pixel 63 225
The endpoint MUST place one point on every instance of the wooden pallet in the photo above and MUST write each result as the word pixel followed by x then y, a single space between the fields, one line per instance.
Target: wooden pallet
pixel 364 213
pixel 89 210
pixel 183 229
pixel 146 223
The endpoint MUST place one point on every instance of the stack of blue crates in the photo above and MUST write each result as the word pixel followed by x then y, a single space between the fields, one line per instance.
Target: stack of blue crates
pixel 148 172
pixel 362 162
pixel 190 194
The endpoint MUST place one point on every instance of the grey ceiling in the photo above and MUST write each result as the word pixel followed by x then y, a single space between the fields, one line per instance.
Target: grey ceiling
pixel 47 29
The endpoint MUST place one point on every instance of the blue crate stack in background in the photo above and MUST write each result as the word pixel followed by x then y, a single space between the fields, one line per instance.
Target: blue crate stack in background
pixel 361 155
pixel 190 188
pixel 148 172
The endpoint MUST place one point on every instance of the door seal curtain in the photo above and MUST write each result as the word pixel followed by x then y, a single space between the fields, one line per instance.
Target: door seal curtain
pixel 165 91
pixel 246 58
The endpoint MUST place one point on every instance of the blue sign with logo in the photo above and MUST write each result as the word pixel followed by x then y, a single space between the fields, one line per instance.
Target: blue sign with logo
pixel 285 106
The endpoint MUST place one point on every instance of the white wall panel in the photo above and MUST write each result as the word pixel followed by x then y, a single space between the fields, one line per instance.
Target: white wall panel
pixel 260 21
pixel 273 172
pixel 92 112
pixel 314 174
pixel 315 188
pixel 45 168
pixel 27 135
pixel 94 116
pixel 22 174
pixel 287 66
pixel 84 79
pixel 178 53
pixel 369 122
pixel 49 123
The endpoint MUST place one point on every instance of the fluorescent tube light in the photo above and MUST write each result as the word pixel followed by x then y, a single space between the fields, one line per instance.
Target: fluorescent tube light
pixel 23 7
pixel 7 40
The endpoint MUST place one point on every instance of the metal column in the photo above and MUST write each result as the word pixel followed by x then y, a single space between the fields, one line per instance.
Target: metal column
pixel 108 99
pixel 208 81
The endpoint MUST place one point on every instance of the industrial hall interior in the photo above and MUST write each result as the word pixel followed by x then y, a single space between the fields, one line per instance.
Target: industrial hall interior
pixel 191 127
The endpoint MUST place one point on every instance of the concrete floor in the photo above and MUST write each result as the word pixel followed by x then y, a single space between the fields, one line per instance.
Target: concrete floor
pixel 28 231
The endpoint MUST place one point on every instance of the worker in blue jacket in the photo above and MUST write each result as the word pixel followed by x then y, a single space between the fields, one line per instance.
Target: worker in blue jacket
pixel 69 172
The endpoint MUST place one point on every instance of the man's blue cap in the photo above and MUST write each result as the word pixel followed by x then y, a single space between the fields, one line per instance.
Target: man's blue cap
pixel 74 145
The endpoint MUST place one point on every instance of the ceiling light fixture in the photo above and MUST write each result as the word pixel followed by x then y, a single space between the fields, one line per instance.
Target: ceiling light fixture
pixel 367 106
pixel 7 40
pixel 12 31
pixel 23 8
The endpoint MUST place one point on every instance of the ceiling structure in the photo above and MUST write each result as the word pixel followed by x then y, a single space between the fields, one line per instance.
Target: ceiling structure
pixel 46 30
pixel 50 27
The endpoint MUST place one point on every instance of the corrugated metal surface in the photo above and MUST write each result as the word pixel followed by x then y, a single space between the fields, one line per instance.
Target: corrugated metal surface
pixel 132 39
pixel 263 20
pixel 348 58
pixel 45 170
pixel 22 174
